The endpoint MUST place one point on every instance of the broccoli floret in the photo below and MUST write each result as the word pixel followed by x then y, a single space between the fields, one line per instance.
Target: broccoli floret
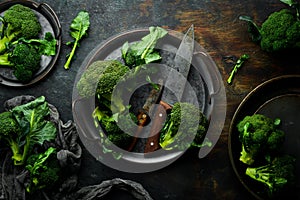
pixel 110 77
pixel 34 128
pixel 99 80
pixel 259 135
pixel 106 84
pixel 117 126
pixel 9 132
pixel 186 126
pixel 276 176
pixel 280 31
pixel 44 170
pixel 24 59
pixel 89 80
pixel 18 21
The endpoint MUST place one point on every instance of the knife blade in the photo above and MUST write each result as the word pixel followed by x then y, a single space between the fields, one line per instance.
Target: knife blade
pixel 176 80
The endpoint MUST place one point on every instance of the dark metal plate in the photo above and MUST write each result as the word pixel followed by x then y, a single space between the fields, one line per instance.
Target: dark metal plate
pixel 50 23
pixel 204 78
pixel 275 98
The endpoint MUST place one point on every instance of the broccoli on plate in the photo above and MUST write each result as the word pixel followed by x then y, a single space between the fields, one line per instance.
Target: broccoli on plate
pixel 99 81
pixel 276 176
pixel 20 46
pixel 259 136
pixel 18 22
pixel 24 59
pixel 185 127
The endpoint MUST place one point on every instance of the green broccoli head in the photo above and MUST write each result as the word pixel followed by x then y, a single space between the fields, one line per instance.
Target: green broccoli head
pixel 110 78
pixel 44 170
pixel 117 128
pixel 9 127
pixel 89 81
pixel 258 134
pixel 107 83
pixel 279 31
pixel 9 132
pixel 276 176
pixel 26 60
pixel 186 126
pixel 19 21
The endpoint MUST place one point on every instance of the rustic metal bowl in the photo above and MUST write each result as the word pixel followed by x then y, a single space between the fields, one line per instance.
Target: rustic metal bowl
pixel 204 77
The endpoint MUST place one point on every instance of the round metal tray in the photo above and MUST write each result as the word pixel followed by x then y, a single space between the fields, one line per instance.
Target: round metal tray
pixel 50 23
pixel 204 77
pixel 276 98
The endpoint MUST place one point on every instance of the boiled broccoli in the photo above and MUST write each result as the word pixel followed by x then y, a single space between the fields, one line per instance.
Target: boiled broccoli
pixel 276 176
pixel 24 59
pixel 18 21
pixel 185 127
pixel 259 136
pixel 44 170
pixel 280 31
pixel 9 132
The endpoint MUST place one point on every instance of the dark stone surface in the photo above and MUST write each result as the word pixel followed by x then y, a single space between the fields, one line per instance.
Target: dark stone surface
pixel 218 29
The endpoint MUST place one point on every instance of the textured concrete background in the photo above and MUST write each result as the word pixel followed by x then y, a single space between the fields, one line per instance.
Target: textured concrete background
pixel 218 29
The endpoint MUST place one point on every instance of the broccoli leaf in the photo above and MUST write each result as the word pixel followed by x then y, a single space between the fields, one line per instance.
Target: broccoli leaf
pixel 142 52
pixel 294 4
pixel 40 160
pixel 46 46
pixel 43 169
pixel 78 27
pixel 36 129
pixel 253 28
pixel 289 2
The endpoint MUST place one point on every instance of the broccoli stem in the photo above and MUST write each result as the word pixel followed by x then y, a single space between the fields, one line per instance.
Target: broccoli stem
pixel 17 157
pixel 3 43
pixel 5 40
pixel 4 60
pixel 260 174
pixel 238 64
pixel 67 64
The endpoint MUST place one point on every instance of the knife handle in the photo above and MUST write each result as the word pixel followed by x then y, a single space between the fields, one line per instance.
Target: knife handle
pixel 159 117
pixel 143 119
